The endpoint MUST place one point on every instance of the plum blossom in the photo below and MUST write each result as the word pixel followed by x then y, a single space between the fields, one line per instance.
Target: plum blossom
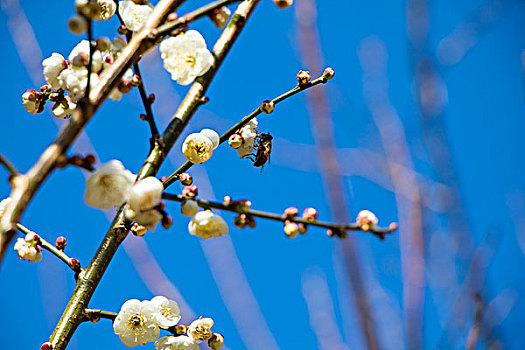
pixel 135 324
pixel 248 134
pixel 53 66
pixel 76 82
pixel 144 199
pixel 206 224
pixel 366 219
pixel 109 186
pixel 134 15
pixel 186 57
pixel 197 148
pixel 176 343
pixel 107 9
pixel 31 101
pixel 168 312
pixel 79 56
pixel 28 249
pixel 200 329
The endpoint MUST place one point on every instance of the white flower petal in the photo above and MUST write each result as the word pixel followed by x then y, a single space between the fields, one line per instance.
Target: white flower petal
pixel 109 185
pixel 206 224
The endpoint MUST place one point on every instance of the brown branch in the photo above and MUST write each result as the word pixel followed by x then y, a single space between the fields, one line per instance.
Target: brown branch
pixel 232 207
pixel 8 165
pixel 224 137
pixel 74 313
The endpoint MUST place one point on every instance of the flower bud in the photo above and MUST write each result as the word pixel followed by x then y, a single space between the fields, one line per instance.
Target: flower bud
pixel 77 24
pixel 138 230
pixel 135 80
pixel 181 329
pixel 61 243
pixel 250 221
pixel 310 214
pixel 151 99
pixel 172 17
pixel 227 200
pixel 303 77
pixel 186 179
pixel 267 107
pixel 328 73
pixel 291 212
pixel 240 221
pixel 283 4
pixel 235 141
pixel 166 222
pixel 190 191
pixel 303 229
pixel 143 117
pixel 291 229
pixel 216 341
pixel 220 16
pixel 74 264
pixel 46 346
pixel 122 30
pixel 189 207
pixel 31 101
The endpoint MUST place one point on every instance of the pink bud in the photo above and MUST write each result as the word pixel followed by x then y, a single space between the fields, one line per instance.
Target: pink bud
pixel 61 243
pixel 186 179
pixel 190 191
pixel 310 214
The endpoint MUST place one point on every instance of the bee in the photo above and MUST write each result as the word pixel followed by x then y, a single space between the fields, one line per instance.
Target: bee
pixel 263 151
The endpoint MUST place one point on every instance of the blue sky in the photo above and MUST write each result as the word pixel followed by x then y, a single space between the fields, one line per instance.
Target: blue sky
pixel 262 289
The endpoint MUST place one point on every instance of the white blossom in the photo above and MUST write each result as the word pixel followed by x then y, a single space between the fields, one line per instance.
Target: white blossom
pixel 206 224
pixel 186 56
pixel 75 81
pixel 109 185
pixel 213 136
pixel 366 219
pixel 146 194
pixel 79 57
pixel 167 313
pixel 135 324
pixel 115 94
pixel 144 197
pixel 107 9
pixel 189 207
pixel 134 15
pixel 53 66
pixel 28 249
pixel 176 343
pixel 248 134
pixel 31 101
pixel 200 329
pixel 197 148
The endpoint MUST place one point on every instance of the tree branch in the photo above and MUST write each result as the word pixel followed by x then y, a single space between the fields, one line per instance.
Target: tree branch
pixel 74 313
pixel 224 137
pixel 234 208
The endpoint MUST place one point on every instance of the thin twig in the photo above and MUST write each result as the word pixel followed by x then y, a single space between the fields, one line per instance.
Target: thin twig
pixel 8 165
pixel 224 137
pixel 95 314
pixel 90 62
pixel 155 136
pixel 232 207
pixel 169 27
pixel 47 246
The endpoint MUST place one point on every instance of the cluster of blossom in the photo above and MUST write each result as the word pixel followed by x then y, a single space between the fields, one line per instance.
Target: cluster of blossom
pixel 71 76
pixel 112 185
pixel 139 322
pixel 244 140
